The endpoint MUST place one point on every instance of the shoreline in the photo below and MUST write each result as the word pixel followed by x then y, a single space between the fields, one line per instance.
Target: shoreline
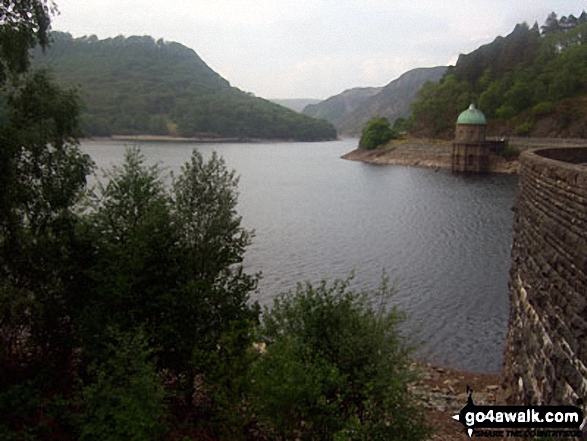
pixel 161 138
pixel 436 154
pixel 418 153
pixel 167 138
pixel 444 393
pixel 203 139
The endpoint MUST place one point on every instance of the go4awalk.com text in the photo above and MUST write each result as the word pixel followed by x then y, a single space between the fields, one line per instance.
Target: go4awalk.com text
pixel 554 422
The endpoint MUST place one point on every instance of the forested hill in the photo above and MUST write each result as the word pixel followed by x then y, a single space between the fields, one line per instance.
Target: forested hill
pixel 137 85
pixel 531 82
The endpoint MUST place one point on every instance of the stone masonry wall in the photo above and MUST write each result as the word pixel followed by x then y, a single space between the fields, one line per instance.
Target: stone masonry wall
pixel 546 347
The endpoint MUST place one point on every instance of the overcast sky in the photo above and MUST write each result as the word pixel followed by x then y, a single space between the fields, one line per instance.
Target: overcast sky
pixel 312 48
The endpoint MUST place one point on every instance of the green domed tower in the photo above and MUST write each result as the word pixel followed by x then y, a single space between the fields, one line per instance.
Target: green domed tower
pixel 470 152
pixel 471 125
pixel 472 116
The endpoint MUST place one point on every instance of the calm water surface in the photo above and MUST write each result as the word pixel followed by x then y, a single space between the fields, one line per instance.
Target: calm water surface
pixel 446 238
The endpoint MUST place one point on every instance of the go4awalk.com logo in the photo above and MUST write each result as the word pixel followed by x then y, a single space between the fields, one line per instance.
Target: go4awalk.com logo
pixel 520 421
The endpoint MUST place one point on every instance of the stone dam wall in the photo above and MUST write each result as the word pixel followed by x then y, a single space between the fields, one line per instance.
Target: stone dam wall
pixel 545 358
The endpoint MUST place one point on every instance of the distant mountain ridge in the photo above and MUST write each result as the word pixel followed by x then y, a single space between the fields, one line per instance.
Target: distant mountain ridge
pixel 137 85
pixel 295 104
pixel 350 110
pixel 335 107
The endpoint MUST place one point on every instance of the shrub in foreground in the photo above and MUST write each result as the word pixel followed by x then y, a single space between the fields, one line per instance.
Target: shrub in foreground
pixel 126 399
pixel 336 367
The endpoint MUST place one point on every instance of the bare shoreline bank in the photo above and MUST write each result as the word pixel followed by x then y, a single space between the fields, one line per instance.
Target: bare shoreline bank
pixel 437 154
pixel 203 139
pixel 167 138
pixel 429 154
pixel 444 393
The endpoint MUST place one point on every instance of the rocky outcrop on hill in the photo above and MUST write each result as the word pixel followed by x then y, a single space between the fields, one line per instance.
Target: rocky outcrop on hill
pixel 337 106
pixel 350 110
pixel 392 102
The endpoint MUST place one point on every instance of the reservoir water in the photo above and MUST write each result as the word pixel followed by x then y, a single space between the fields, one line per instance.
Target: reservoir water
pixel 445 239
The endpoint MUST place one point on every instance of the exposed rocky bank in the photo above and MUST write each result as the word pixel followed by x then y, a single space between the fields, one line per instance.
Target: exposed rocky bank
pixel 437 153
pixel 421 153
pixel 444 394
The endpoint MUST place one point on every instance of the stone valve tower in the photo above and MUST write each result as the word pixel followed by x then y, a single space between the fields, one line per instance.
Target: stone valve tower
pixel 470 151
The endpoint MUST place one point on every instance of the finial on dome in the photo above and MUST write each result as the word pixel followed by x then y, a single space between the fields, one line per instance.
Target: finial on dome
pixel 472 116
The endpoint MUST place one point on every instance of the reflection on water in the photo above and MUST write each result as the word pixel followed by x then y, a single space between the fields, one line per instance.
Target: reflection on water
pixel 446 238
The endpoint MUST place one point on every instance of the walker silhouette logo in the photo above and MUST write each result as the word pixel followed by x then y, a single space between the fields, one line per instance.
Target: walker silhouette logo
pixel 544 421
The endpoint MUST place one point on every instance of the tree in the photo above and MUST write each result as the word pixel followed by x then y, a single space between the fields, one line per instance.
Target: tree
pixel 551 25
pixel 519 96
pixel 42 175
pixel 169 261
pixel 125 399
pixel 376 132
pixel 161 267
pixel 439 104
pixel 131 258
pixel 335 363
pixel 24 23
pixel 402 124
pixel 214 290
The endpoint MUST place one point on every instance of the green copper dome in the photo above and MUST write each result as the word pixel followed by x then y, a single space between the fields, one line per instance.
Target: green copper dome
pixel 472 116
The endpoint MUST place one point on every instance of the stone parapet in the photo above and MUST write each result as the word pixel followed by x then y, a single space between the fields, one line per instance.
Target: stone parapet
pixel 546 347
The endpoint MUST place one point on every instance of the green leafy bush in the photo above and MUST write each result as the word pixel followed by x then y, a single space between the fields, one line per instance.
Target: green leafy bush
pixel 403 124
pixel 506 112
pixel 510 152
pixel 125 399
pixel 377 132
pixel 524 128
pixel 336 365
pixel 544 108
pixel 294 390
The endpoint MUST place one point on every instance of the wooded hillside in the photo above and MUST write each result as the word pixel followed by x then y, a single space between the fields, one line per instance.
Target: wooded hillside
pixel 137 85
pixel 531 82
